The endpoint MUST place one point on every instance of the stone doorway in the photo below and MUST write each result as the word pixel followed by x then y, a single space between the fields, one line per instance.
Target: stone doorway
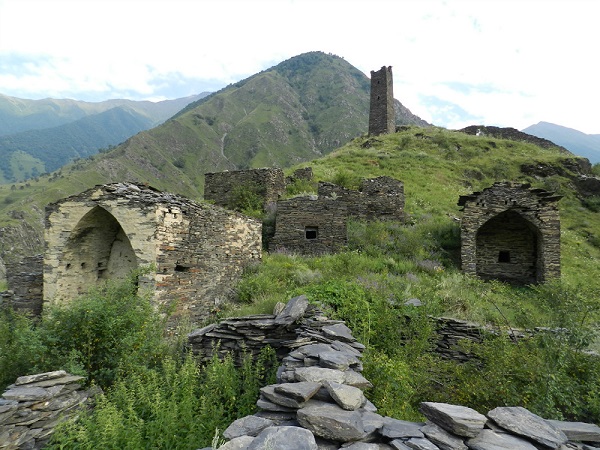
pixel 97 249
pixel 507 249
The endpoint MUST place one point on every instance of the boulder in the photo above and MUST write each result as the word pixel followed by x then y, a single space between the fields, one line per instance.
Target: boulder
pixel 522 422
pixel 459 420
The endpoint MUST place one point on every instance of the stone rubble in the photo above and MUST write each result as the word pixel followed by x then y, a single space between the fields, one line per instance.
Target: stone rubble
pixel 32 406
pixel 318 403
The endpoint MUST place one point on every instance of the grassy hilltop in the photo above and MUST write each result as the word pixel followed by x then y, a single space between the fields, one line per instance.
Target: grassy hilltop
pixel 155 399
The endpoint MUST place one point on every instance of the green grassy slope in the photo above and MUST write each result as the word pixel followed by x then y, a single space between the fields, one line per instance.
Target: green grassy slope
pixel 387 264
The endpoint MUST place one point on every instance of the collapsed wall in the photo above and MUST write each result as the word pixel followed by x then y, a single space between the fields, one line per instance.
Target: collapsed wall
pixel 223 187
pixel 318 224
pixel 319 402
pixel 195 251
pixel 34 405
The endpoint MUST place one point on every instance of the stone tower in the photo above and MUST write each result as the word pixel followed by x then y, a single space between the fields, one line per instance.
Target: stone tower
pixel 382 119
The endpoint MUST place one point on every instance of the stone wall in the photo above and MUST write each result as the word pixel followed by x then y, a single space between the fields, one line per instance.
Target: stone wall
pixel 511 232
pixel 34 405
pixel 220 187
pixel 382 119
pixel 318 401
pixel 196 251
pixel 318 224
pixel 25 284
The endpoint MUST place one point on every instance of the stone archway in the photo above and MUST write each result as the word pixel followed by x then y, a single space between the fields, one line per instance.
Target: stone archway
pixel 97 249
pixel 508 248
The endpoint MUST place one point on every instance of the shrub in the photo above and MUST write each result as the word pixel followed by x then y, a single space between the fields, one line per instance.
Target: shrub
pixel 20 346
pixel 106 332
pixel 178 405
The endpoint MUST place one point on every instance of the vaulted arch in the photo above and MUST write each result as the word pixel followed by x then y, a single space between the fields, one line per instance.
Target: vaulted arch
pixel 97 249
pixel 508 248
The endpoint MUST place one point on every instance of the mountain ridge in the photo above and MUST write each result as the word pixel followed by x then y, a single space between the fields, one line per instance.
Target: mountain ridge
pixel 586 145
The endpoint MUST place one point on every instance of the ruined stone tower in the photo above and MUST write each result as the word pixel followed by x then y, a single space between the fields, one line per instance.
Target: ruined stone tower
pixel 382 119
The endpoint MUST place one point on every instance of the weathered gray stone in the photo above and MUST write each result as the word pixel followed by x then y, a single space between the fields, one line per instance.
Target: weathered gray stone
pixel 339 331
pixel 24 393
pixel 522 422
pixel 267 405
pixel 421 444
pixel 301 392
pixel 456 419
pixel 578 431
pixel 269 393
pixel 335 360
pixel 398 444
pixel 319 374
pixel 442 438
pixel 352 378
pixel 293 311
pixel 491 440
pixel 284 438
pixel 347 397
pixel 331 422
pixel 238 443
pixel 394 429
pixel 372 422
pixel 246 426
pixel 365 446
pixel 26 379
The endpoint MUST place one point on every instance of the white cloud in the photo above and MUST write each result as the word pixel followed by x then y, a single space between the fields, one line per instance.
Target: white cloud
pixel 537 58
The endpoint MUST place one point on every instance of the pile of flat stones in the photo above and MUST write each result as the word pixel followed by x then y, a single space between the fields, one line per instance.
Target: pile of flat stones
pixel 32 406
pixel 318 403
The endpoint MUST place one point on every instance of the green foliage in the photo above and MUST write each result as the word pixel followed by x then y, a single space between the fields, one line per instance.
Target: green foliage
pixel 21 348
pixel 248 199
pixel 177 405
pixel 106 332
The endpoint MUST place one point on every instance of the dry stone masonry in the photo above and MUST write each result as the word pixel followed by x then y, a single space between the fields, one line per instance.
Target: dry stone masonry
pixel 511 232
pixel 197 251
pixel 318 224
pixel 25 280
pixel 318 402
pixel 221 187
pixel 382 118
pixel 31 408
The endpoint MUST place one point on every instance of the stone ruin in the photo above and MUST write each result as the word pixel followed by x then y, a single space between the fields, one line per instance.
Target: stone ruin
pixel 382 117
pixel 318 224
pixel 511 232
pixel 222 187
pixel 25 279
pixel 196 251
pixel 34 405
pixel 318 401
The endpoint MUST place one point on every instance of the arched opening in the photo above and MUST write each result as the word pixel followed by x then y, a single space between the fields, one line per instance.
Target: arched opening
pixel 98 249
pixel 507 248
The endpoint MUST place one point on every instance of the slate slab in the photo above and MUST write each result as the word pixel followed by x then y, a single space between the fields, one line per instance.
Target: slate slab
pixel 338 331
pixel 319 374
pixel 459 420
pixel 578 431
pixel 331 422
pixel 284 438
pixel 293 311
pixel 238 443
pixel 522 422
pixel 420 444
pixel 246 426
pixel 301 392
pixel 269 393
pixel 491 440
pixel 394 429
pixel 347 397
pixel 442 438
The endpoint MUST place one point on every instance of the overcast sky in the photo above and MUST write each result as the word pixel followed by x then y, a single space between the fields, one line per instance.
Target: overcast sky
pixel 455 62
